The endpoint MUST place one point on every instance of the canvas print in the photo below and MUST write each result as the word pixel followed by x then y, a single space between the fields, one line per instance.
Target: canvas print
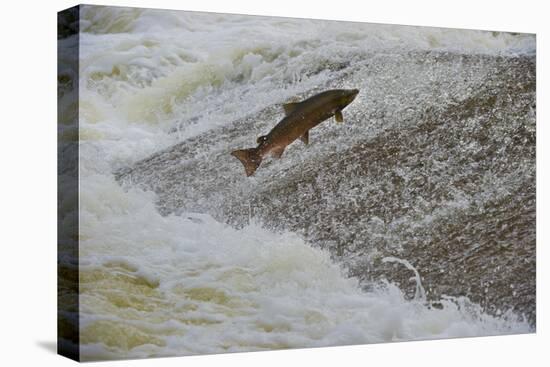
pixel 236 183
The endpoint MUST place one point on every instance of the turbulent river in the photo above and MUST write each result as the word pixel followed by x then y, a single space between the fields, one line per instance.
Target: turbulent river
pixel 414 219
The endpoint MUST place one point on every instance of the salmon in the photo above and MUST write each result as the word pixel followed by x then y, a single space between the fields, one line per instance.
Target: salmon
pixel 299 118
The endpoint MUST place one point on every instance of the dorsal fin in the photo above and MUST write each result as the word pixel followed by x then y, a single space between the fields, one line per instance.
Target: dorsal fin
pixel 305 137
pixel 289 107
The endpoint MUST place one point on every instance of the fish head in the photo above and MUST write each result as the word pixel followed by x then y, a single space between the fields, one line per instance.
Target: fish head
pixel 347 96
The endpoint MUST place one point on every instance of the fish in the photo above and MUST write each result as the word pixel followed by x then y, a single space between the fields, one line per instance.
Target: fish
pixel 300 117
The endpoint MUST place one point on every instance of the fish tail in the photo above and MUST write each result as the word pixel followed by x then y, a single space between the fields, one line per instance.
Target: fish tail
pixel 249 158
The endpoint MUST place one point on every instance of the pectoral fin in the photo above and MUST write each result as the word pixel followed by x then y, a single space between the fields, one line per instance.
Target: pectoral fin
pixel 305 138
pixel 289 107
pixel 338 116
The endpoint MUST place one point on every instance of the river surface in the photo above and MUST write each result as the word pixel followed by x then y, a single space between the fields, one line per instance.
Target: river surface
pixel 414 219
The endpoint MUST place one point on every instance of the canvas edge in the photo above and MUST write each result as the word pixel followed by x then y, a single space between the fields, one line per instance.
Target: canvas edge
pixel 68 308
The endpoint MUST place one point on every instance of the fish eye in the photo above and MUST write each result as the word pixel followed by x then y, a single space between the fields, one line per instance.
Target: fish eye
pixel 261 139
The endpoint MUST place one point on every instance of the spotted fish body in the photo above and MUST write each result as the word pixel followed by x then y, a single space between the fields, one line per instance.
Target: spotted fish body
pixel 300 118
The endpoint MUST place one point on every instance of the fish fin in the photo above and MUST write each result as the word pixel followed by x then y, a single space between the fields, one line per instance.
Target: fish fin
pixel 249 158
pixel 289 107
pixel 305 138
pixel 277 152
pixel 338 116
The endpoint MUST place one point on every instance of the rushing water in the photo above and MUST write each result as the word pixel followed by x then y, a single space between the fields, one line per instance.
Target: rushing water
pixel 415 219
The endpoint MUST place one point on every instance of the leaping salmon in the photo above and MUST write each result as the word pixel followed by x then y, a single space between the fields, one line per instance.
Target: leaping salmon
pixel 300 118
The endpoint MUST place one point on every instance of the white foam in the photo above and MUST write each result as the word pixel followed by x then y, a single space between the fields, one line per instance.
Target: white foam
pixel 223 289
pixel 186 284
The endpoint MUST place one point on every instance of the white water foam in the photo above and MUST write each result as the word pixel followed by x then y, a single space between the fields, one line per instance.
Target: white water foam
pixel 188 284
pixel 157 285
